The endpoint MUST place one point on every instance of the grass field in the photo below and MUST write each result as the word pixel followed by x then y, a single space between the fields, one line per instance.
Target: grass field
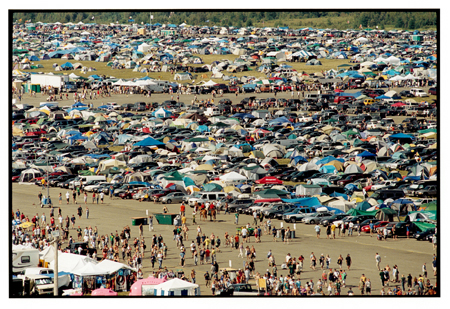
pixel 103 69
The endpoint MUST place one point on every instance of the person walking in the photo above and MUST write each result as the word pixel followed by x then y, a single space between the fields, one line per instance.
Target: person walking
pixel 87 212
pixel 317 229
pixel 348 260
pixel 377 260
pixel 67 197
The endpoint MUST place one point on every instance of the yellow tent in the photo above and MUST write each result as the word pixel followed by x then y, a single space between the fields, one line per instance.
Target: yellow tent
pixel 192 189
pixel 429 135
pixel 231 188
pixel 17 131
pixel 204 167
pixel 337 164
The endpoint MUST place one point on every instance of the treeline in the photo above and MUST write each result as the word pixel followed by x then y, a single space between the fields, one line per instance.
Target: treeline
pixel 293 19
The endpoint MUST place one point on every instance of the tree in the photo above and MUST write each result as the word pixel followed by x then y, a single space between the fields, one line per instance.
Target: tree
pixel 399 23
pixel 412 24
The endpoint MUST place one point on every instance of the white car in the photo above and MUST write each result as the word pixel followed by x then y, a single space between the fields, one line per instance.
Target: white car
pixel 383 184
pixel 418 92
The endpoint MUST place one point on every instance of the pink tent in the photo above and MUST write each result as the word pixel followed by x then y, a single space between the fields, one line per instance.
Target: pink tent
pixel 103 292
pixel 145 284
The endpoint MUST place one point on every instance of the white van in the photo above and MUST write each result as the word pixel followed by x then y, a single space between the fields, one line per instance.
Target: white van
pixel 85 179
pixel 201 197
pixel 212 111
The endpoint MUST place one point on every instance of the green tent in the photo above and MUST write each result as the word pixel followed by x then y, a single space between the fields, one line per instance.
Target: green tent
pixel 356 212
pixel 196 140
pixel 431 206
pixel 423 226
pixel 212 187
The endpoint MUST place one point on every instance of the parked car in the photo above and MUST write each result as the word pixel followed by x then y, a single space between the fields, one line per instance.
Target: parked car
pixel 317 217
pixel 298 214
pixel 333 218
pixel 173 197
pixel 366 228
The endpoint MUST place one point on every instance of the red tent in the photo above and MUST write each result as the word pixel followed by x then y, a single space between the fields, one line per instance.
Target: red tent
pixel 269 180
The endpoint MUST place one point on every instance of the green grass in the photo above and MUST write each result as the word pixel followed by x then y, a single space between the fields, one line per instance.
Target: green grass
pixel 103 69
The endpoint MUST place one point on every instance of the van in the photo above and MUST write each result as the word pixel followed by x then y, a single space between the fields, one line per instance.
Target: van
pixel 212 111
pixel 369 101
pixel 287 142
pixel 85 179
pixel 201 197
pixel 312 96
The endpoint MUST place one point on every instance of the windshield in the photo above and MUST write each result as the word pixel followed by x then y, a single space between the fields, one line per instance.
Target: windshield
pixel 43 281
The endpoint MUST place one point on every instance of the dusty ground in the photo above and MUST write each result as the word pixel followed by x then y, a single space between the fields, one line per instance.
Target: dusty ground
pixel 112 216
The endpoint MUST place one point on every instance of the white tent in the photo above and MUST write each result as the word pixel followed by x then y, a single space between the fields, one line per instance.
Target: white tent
pixel 29 174
pixel 177 287
pixel 233 178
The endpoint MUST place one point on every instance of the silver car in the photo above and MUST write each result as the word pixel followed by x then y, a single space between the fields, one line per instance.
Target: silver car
pixel 172 198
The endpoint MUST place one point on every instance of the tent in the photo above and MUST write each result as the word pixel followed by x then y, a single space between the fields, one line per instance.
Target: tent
pixel 29 174
pixel 232 178
pixel 145 287
pixel 177 287
pixel 308 190
pixel 103 292
pixel 269 180
pixel 148 142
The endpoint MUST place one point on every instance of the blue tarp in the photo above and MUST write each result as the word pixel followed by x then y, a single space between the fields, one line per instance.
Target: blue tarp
pixel 149 141
pixel 304 201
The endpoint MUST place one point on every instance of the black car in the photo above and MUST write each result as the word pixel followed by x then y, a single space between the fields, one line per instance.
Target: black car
pixel 406 93
pixel 301 176
pixel 425 235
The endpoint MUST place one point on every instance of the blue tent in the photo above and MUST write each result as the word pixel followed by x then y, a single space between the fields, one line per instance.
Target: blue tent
pixel 328 160
pixel 279 120
pixel 149 141
pixel 337 194
pixel 34 58
pixel 329 169
pixel 297 159
pixel 365 154
pixel 67 65
pixel 401 136
pixel 78 104
pixel 243 115
pixel 382 97
pixel 77 137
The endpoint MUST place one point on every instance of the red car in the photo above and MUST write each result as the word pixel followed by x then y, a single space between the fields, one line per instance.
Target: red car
pixel 36 132
pixel 157 196
pixel 366 228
